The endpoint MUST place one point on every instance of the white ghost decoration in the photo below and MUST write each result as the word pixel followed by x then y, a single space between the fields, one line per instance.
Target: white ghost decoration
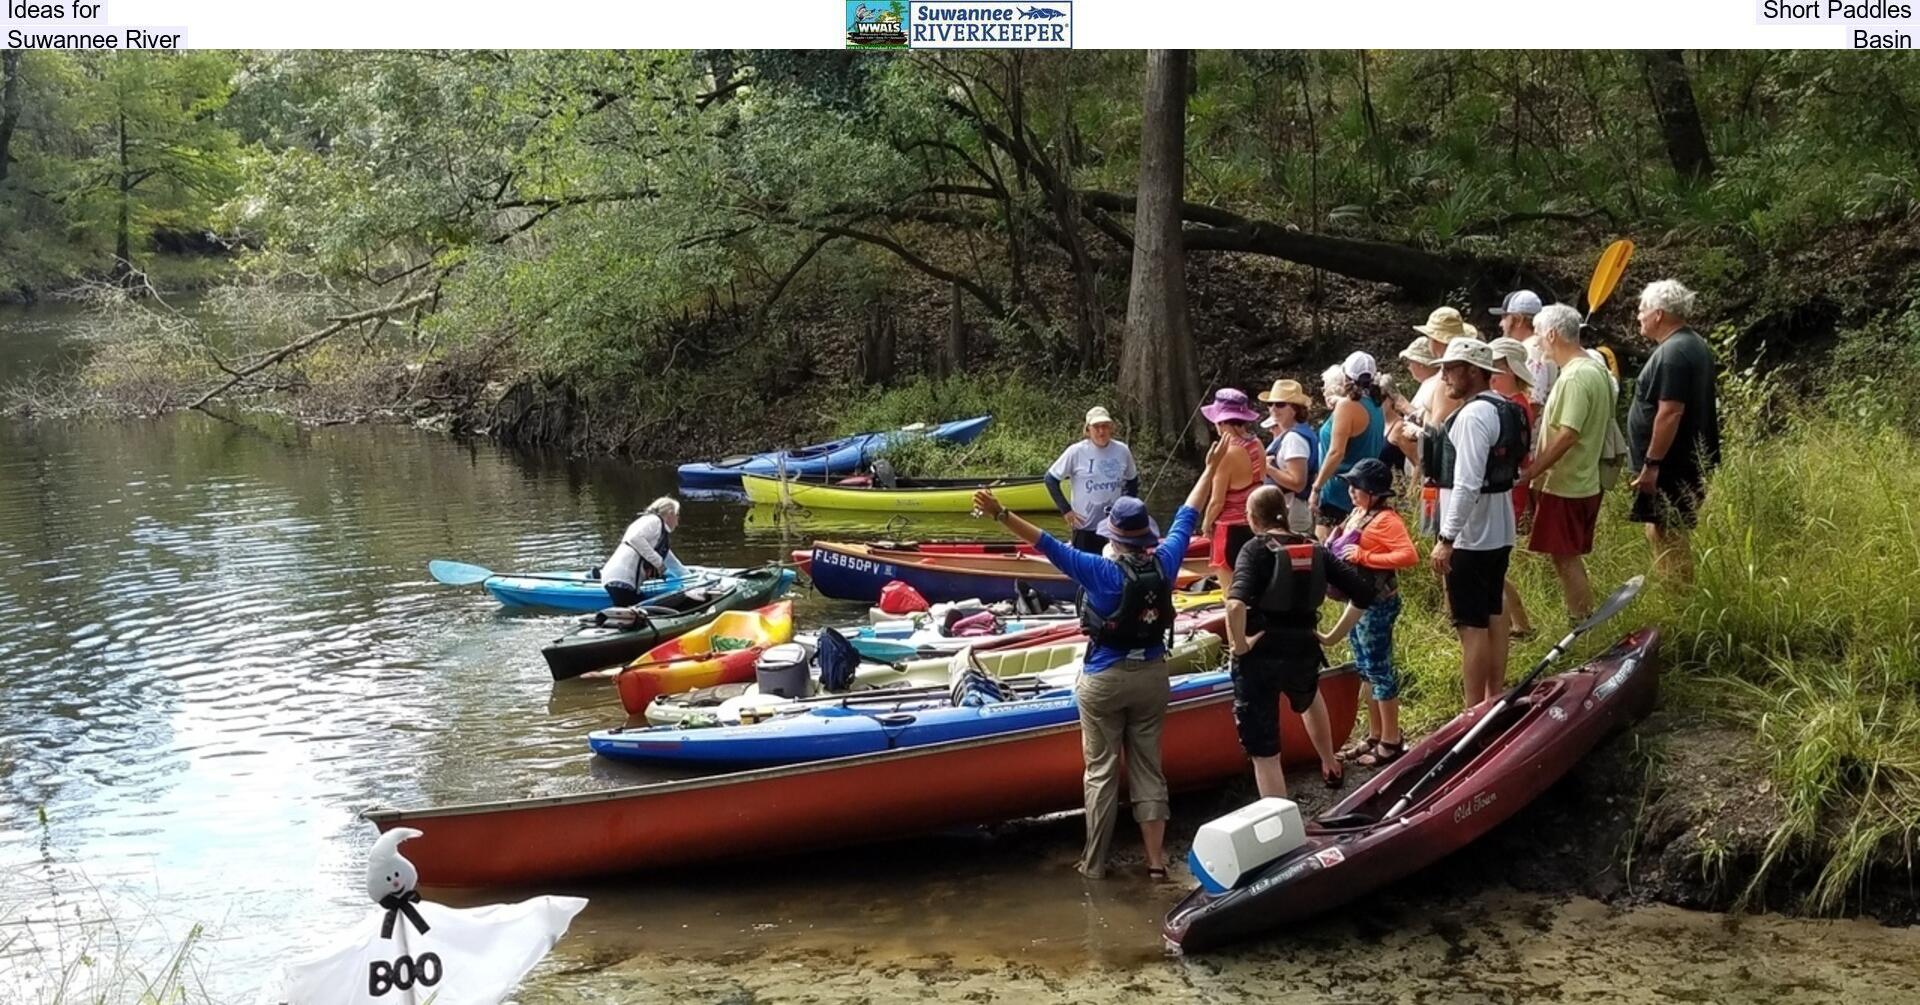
pixel 409 951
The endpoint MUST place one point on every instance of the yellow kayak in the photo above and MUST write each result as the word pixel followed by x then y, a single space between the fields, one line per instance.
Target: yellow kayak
pixel 924 495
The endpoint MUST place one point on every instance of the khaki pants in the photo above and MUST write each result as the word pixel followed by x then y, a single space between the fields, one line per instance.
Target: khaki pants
pixel 1121 707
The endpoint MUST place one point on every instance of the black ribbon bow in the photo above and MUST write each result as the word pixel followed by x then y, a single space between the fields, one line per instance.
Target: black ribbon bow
pixel 402 903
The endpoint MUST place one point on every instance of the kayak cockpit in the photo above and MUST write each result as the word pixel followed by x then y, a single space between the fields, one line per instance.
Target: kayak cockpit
pixel 1372 809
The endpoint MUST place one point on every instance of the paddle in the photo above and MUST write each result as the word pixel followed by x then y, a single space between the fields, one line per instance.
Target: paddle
pixel 462 574
pixel 1621 597
pixel 1606 275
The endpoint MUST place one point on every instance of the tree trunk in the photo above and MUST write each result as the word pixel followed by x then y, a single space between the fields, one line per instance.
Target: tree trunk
pixel 1157 380
pixel 9 105
pixel 1679 116
pixel 122 239
pixel 953 355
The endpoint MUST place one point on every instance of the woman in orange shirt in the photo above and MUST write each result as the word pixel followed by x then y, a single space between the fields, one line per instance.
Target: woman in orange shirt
pixel 1374 539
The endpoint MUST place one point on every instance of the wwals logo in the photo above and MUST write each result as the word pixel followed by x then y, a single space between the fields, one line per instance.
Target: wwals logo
pixel 875 25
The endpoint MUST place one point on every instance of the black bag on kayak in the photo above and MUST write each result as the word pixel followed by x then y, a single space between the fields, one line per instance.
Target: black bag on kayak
pixel 837 659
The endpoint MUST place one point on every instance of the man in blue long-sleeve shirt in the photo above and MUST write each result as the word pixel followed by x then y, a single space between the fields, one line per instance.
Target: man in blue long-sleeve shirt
pixel 1126 609
pixel 1098 470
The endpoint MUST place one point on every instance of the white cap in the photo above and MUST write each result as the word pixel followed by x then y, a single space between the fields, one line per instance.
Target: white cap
pixel 1357 364
pixel 1098 414
pixel 1524 302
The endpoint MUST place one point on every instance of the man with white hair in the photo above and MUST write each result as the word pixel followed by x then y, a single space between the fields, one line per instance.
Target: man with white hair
pixel 1673 425
pixel 1567 466
pixel 645 552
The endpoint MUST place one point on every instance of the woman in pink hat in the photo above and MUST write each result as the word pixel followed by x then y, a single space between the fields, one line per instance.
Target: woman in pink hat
pixel 1238 474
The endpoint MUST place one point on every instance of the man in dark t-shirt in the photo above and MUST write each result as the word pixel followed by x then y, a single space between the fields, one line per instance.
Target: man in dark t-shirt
pixel 1673 425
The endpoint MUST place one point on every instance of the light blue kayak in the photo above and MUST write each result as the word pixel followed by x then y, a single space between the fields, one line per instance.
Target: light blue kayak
pixel 573 591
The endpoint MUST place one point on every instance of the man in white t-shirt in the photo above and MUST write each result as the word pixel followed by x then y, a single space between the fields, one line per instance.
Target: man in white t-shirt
pixel 1098 470
pixel 1476 515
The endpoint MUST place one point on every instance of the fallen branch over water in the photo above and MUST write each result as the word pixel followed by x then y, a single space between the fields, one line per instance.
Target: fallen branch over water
pixel 308 341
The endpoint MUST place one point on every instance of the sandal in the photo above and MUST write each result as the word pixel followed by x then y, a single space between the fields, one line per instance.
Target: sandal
pixel 1355 748
pixel 1383 754
pixel 1157 873
pixel 1333 780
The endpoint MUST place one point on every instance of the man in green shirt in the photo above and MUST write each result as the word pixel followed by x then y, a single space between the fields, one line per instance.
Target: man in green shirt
pixel 1565 472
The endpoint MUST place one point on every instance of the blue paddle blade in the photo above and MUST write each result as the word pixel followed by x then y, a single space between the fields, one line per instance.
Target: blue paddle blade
pixel 457 573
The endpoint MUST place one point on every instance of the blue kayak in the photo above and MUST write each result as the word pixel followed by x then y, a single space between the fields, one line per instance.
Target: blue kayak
pixel 859 725
pixel 573 591
pixel 834 458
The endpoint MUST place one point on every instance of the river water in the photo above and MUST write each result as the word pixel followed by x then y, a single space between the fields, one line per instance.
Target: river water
pixel 218 643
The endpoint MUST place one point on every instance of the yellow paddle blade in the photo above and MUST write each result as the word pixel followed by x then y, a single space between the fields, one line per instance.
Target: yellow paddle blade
pixel 1190 601
pixel 1607 273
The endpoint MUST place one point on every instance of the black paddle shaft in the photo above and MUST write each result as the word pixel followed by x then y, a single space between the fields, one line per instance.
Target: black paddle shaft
pixel 1621 597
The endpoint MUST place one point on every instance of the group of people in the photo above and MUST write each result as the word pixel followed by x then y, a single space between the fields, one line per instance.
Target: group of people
pixel 1498 432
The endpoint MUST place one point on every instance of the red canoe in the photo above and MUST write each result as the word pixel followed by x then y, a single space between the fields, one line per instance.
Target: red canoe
pixel 1350 850
pixel 833 803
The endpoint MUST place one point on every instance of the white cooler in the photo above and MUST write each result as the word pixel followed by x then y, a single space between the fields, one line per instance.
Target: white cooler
pixel 1229 849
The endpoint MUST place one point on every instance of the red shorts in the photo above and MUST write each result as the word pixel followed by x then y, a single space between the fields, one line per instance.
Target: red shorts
pixel 1227 540
pixel 1563 526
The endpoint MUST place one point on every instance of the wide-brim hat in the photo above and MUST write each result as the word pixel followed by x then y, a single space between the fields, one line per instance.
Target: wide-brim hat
pixel 1472 352
pixel 1372 476
pixel 1420 351
pixel 1287 392
pixel 1230 405
pixel 1129 523
pixel 1513 354
pixel 1098 414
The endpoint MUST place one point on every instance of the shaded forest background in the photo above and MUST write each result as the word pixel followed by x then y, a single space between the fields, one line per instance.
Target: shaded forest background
pixel 620 250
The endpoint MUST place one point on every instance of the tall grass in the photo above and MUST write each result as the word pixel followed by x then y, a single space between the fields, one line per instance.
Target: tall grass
pixel 1802 623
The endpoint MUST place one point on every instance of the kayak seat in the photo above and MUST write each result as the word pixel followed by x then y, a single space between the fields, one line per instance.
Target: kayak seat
pixel 1347 820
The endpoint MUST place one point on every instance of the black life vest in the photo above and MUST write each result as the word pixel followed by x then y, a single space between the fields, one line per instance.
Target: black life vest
pixel 1299 579
pixel 1145 615
pixel 1504 458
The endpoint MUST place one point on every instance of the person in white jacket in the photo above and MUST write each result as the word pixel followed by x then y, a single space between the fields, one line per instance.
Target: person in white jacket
pixel 645 552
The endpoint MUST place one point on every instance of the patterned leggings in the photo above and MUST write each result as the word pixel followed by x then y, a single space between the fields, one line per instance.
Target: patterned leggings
pixel 1372 642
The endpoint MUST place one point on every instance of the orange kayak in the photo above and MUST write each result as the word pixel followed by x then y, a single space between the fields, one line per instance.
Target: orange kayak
pixel 722 651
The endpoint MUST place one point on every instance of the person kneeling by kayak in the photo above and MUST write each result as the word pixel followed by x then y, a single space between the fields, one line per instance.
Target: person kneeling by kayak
pixel 1126 605
pixel 645 552
pixel 1280 580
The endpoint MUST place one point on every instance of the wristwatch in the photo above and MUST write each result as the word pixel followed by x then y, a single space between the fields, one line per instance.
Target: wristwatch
pixel 1447 541
pixel 1001 516
pixel 1652 462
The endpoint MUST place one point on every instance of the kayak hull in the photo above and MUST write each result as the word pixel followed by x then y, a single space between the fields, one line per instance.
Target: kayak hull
pixel 573 591
pixel 785 811
pixel 1348 854
pixel 1026 495
pixel 723 651
pixel 821 460
pixel 873 725
pixel 595 647
pixel 859 572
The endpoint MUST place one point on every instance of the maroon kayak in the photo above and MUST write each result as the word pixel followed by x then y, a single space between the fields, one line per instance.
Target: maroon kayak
pixel 1350 850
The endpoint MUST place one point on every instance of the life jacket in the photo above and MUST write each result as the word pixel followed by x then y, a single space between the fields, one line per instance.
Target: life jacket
pixel 1299 580
pixel 1504 458
pixel 1145 615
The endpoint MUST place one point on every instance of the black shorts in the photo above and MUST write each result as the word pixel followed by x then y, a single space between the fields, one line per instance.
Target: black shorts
pixel 622 595
pixel 1674 501
pixel 1393 457
pixel 1258 683
pixel 1088 540
pixel 1474 585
